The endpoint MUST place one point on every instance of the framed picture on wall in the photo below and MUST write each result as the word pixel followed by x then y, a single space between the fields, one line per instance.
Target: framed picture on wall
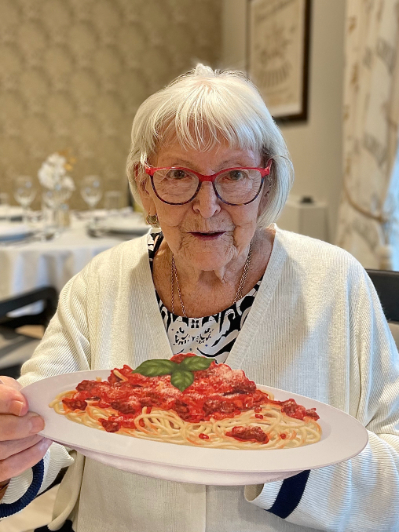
pixel 278 55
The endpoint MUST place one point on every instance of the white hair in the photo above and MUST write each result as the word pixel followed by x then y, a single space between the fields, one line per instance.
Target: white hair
pixel 200 109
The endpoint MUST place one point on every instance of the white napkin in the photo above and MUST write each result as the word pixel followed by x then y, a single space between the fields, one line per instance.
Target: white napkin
pixel 10 212
pixel 13 230
pixel 89 215
pixel 132 224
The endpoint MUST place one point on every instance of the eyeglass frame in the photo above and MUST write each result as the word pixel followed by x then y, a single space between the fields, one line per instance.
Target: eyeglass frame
pixel 150 170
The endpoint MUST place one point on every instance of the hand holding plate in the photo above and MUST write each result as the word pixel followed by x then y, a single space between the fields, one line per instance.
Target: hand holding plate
pixel 20 445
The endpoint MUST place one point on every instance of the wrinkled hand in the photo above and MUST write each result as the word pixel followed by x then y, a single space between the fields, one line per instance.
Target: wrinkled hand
pixel 20 445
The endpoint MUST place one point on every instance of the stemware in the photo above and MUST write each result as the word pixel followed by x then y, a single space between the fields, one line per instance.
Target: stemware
pixel 91 192
pixel 4 206
pixel 112 202
pixel 24 193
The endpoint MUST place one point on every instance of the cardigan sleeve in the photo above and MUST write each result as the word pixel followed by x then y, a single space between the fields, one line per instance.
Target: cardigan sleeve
pixel 361 493
pixel 56 458
pixel 64 348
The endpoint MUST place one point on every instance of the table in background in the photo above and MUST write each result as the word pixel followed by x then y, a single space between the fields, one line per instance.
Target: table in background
pixel 33 264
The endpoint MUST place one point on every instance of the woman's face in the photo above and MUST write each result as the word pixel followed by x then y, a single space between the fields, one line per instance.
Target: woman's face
pixel 205 233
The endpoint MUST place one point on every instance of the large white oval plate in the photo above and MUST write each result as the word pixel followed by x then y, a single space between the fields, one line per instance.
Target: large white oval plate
pixel 343 437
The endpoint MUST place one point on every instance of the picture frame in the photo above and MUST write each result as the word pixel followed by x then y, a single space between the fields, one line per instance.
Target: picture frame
pixel 278 43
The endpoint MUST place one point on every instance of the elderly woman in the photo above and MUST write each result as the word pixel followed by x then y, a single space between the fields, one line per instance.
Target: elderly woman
pixel 223 281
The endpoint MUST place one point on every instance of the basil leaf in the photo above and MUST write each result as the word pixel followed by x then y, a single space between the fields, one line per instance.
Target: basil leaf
pixel 156 367
pixel 182 379
pixel 195 363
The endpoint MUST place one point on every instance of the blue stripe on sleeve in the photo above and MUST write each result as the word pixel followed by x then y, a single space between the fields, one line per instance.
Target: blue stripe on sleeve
pixel 289 495
pixel 7 509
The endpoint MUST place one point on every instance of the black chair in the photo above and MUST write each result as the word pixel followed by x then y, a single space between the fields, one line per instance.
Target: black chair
pixel 16 347
pixel 386 283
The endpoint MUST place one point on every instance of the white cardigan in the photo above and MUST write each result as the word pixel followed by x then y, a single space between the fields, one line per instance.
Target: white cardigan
pixel 316 328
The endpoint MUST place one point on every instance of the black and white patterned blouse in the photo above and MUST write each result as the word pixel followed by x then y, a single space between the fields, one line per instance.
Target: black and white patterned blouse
pixel 211 336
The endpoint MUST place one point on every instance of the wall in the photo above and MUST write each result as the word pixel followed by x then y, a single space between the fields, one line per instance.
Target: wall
pixel 315 145
pixel 73 73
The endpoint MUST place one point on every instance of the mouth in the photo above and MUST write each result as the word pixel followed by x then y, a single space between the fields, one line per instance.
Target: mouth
pixel 207 235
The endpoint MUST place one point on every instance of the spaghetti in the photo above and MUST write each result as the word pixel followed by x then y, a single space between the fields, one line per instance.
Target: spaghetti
pixel 222 408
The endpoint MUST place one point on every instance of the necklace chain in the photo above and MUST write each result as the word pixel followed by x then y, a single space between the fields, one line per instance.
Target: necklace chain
pixel 243 278
pixel 174 277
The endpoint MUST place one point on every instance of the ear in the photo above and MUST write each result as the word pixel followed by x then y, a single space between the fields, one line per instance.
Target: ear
pixel 267 188
pixel 265 196
pixel 145 191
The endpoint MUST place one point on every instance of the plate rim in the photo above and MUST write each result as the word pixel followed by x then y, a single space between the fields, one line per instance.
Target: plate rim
pixel 217 459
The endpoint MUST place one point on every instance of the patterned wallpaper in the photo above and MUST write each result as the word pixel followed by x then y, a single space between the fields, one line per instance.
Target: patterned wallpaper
pixel 73 73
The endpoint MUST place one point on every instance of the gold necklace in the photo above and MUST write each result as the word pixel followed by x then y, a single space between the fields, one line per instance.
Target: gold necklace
pixel 174 277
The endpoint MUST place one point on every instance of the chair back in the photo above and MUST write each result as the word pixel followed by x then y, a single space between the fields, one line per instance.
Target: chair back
pixel 15 346
pixel 386 283
pixel 47 294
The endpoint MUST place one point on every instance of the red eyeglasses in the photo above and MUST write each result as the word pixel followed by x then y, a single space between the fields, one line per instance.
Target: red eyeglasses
pixel 176 185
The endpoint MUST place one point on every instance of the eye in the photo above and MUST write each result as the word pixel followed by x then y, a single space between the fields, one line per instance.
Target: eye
pixel 235 175
pixel 177 173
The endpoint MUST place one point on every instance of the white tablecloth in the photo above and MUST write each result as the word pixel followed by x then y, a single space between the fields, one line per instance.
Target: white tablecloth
pixel 24 266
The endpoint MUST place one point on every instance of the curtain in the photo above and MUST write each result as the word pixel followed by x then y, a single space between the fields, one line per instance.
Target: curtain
pixel 368 220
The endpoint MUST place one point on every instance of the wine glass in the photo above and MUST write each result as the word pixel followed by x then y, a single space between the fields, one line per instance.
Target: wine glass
pixel 52 204
pixel 91 192
pixel 24 193
pixel 112 202
pixel 4 206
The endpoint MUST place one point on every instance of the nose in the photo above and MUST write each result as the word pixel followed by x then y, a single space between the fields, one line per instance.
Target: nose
pixel 206 203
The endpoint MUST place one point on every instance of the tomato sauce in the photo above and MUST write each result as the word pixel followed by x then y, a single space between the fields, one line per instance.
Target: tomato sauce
pixel 217 392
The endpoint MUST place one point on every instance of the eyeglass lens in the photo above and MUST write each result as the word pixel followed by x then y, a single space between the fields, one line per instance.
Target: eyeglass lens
pixel 236 186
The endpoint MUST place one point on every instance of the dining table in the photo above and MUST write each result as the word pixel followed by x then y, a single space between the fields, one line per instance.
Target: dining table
pixel 36 258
